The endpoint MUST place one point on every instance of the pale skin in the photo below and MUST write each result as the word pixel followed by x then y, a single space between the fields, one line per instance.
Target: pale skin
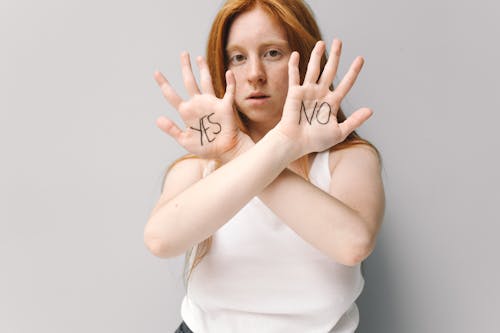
pixel 263 83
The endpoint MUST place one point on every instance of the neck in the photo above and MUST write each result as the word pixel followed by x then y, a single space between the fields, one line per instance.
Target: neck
pixel 258 131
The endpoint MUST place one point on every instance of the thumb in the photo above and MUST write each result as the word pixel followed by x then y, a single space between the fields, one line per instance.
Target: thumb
pixel 169 127
pixel 354 121
pixel 230 87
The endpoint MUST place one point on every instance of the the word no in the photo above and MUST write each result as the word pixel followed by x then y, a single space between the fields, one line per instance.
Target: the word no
pixel 321 113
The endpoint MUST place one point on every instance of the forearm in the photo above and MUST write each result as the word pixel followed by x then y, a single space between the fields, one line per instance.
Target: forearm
pixel 319 218
pixel 197 212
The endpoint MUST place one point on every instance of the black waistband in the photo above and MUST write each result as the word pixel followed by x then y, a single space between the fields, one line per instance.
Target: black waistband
pixel 183 328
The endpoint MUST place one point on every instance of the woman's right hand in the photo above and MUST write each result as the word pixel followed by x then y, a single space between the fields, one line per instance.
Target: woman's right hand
pixel 309 117
pixel 211 128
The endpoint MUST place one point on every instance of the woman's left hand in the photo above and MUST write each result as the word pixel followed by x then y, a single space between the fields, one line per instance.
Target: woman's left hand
pixel 310 112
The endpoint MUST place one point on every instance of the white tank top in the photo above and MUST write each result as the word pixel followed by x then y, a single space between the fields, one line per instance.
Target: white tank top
pixel 260 276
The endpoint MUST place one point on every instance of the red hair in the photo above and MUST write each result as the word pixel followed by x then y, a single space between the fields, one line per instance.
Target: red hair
pixel 302 32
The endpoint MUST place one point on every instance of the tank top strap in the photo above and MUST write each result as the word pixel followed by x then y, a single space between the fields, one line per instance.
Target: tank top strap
pixel 209 168
pixel 319 174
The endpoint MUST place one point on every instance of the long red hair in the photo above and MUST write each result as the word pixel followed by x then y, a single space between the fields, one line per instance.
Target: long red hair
pixel 302 31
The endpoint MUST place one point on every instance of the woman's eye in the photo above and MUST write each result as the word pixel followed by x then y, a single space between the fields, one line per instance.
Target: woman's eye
pixel 237 59
pixel 273 53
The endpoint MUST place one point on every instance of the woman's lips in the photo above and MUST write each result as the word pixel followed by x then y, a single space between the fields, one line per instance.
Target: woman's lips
pixel 257 99
pixel 257 95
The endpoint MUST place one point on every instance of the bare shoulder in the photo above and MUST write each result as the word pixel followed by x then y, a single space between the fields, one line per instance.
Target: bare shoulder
pixel 362 155
pixel 181 174
pixel 356 180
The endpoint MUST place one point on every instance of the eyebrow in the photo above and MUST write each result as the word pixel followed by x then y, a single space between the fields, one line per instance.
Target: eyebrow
pixel 279 42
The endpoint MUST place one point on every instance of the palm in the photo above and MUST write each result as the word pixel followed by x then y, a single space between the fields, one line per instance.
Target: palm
pixel 310 111
pixel 210 125
pixel 313 117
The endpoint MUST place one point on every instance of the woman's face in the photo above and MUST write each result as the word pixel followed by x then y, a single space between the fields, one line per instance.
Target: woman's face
pixel 258 53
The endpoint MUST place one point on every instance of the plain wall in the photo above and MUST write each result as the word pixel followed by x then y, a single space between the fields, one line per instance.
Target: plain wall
pixel 82 161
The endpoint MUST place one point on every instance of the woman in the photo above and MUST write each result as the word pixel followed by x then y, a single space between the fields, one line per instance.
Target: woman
pixel 280 200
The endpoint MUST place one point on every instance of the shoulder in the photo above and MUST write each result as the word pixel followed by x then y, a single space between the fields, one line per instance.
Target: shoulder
pixel 363 155
pixel 356 176
pixel 187 163
pixel 356 180
pixel 182 173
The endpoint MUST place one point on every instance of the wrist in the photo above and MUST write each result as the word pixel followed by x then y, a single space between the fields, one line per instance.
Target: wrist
pixel 243 144
pixel 289 148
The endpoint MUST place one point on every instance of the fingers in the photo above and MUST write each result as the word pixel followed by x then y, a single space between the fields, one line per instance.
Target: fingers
pixel 313 67
pixel 167 90
pixel 354 121
pixel 293 69
pixel 169 127
pixel 189 80
pixel 205 77
pixel 230 87
pixel 332 64
pixel 188 76
pixel 348 81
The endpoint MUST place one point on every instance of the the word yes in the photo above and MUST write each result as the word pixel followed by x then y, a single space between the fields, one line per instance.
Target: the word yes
pixel 204 133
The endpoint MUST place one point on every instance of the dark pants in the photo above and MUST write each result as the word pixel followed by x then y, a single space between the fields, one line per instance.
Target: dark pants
pixel 183 328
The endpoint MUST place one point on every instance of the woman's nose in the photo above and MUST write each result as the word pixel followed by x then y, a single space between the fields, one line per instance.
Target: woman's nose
pixel 256 71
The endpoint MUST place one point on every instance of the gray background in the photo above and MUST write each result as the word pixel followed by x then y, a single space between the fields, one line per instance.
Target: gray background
pixel 82 160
